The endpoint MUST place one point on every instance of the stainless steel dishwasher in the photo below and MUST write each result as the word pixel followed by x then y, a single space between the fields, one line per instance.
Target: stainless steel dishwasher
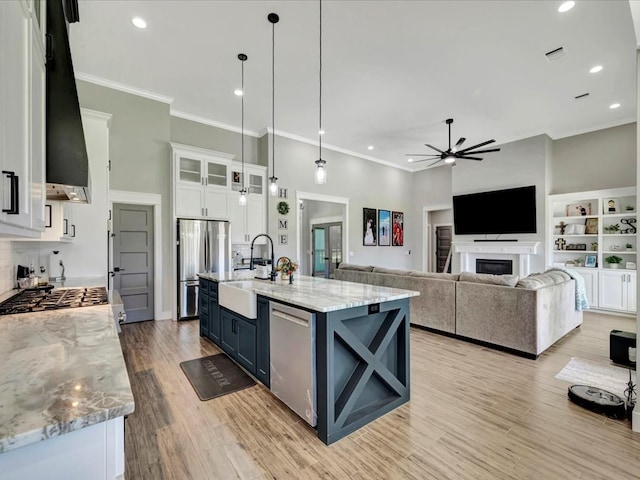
pixel 292 342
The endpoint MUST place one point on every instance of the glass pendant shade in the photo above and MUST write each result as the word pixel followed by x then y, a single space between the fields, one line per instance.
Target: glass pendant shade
pixel 273 186
pixel 242 201
pixel 321 172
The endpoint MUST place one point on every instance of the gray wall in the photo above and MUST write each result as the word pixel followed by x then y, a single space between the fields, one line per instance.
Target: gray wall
pixel 200 135
pixel 365 183
pixel 594 161
pixel 140 154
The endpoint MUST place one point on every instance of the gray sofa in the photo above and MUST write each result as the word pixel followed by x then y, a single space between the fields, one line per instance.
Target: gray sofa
pixel 525 315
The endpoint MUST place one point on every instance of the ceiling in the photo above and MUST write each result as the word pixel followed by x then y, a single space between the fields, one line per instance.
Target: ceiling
pixel 393 71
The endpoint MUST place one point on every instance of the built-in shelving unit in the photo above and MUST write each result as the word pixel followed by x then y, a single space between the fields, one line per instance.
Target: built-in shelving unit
pixel 586 228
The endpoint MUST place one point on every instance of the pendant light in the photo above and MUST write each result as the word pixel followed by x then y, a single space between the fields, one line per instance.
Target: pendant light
pixel 273 180
pixel 243 192
pixel 321 171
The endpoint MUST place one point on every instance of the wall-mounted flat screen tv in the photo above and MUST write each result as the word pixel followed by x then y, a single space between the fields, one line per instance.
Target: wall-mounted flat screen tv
pixel 499 211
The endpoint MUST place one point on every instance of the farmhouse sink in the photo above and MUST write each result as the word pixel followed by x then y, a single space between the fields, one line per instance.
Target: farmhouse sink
pixel 239 297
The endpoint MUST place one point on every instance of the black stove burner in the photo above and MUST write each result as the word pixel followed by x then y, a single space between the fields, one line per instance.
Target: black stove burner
pixel 38 301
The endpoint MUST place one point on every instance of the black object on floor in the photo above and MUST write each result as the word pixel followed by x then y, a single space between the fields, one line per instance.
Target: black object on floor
pixel 598 400
pixel 622 347
pixel 215 376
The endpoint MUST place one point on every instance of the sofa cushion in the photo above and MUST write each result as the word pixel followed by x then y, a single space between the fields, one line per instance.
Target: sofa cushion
pixel 389 270
pixel 358 268
pixel 502 280
pixel 437 276
pixel 539 280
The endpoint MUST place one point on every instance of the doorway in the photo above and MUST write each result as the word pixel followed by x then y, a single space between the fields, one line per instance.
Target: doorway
pixel 326 249
pixel 443 248
pixel 133 255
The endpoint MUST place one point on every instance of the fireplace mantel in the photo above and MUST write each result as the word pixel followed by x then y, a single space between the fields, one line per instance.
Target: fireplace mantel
pixel 519 252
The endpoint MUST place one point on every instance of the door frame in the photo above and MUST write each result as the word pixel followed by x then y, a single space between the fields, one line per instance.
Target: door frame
pixel 300 196
pixel 427 232
pixel 321 221
pixel 154 200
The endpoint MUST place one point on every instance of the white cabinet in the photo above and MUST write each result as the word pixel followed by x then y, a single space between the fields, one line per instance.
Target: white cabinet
pixel 590 276
pixel 201 182
pixel 617 290
pixel 22 114
pixel 250 220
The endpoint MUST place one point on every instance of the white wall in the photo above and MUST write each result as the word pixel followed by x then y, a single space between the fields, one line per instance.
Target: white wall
pixel 518 164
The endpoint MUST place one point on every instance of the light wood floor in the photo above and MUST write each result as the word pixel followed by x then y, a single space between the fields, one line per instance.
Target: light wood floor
pixel 475 413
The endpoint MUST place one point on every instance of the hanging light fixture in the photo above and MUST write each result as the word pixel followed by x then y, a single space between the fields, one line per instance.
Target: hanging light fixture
pixel 321 170
pixel 273 180
pixel 243 192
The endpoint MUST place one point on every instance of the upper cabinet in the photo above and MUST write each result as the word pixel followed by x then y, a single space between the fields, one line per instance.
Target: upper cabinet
pixel 201 182
pixel 22 118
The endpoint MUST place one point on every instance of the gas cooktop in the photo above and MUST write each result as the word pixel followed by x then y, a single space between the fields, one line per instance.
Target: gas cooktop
pixel 39 301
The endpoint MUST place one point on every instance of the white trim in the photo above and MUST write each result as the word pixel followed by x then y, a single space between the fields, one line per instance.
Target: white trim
pixel 86 112
pixel 318 197
pixel 155 200
pixel 211 122
pixel 519 252
pixel 103 82
pixel 321 220
pixel 202 151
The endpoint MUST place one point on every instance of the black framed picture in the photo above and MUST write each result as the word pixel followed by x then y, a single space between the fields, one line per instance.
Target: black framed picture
pixel 397 229
pixel 369 229
pixel 384 228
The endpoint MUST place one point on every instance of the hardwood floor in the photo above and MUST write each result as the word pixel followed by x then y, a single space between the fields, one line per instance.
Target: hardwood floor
pixel 475 413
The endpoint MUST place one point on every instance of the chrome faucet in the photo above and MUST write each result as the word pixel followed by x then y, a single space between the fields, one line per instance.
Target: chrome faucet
pixel 272 274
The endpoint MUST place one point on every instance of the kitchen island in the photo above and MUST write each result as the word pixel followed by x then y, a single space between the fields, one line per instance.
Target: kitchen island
pixel 361 342
pixel 64 392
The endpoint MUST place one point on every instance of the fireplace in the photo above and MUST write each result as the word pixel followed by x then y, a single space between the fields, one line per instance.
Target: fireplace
pixel 494 266
pixel 518 253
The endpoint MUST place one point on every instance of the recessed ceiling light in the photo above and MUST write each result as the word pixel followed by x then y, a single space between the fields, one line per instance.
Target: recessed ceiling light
pixel 614 105
pixel 238 92
pixel 370 147
pixel 139 22
pixel 566 6
pixel 410 160
pixel 320 132
pixel 596 69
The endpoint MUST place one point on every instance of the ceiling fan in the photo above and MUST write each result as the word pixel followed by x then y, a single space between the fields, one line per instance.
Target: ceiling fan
pixel 451 154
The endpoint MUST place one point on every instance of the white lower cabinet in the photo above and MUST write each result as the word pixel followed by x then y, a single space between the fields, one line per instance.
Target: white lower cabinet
pixel 617 290
pixel 590 277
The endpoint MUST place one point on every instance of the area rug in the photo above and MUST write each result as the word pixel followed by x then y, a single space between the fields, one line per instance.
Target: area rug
pixel 215 376
pixel 607 377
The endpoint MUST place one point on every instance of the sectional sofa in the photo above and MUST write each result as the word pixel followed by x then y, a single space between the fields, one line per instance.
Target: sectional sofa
pixel 523 316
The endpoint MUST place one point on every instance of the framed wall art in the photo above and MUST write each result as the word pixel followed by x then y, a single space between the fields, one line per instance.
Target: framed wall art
pixel 369 230
pixel 591 226
pixel 384 228
pixel 397 229
pixel 590 261
pixel 610 206
pixel 579 209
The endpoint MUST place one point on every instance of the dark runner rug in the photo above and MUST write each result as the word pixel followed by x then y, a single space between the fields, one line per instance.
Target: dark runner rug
pixel 215 376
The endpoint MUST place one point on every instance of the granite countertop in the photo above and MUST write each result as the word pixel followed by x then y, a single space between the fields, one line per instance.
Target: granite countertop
pixel 314 293
pixel 60 371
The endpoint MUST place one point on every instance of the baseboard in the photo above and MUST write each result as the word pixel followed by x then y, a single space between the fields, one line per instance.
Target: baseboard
pixel 166 315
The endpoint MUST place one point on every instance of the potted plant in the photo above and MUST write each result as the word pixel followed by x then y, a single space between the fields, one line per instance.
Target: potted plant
pixel 629 208
pixel 629 246
pixel 613 261
pixel 612 228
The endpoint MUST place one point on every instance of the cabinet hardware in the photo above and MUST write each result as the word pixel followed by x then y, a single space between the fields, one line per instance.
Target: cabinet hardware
pixel 73 227
pixel 109 214
pixel 206 212
pixel 15 194
pixel 206 181
pixel 47 215
pixel 118 269
pixel 65 226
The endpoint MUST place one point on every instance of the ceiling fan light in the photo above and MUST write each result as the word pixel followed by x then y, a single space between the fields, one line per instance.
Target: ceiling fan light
pixel 449 159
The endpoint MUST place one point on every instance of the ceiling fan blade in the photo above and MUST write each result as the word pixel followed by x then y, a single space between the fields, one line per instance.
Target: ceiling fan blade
pixel 422 154
pixel 476 146
pixel 432 164
pixel 470 158
pixel 483 151
pixel 436 149
pixel 460 142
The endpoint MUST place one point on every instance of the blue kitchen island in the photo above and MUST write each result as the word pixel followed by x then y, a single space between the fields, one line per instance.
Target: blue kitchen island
pixel 360 342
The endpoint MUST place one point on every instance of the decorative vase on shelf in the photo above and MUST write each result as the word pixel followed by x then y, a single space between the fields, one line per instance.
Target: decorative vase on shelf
pixel 614 265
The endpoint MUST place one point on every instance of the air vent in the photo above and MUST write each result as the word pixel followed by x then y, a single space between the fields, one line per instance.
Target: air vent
pixel 582 96
pixel 555 54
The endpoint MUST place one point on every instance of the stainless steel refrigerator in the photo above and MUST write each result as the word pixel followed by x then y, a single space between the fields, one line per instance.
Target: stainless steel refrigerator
pixel 204 246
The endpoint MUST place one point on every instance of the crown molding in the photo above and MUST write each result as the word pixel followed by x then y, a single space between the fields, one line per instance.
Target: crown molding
pixel 123 88
pixel 212 123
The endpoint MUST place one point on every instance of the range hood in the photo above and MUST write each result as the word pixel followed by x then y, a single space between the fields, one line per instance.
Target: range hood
pixel 66 153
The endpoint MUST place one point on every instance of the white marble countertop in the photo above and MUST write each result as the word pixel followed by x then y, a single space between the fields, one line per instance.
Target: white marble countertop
pixel 319 294
pixel 60 371
pixel 232 276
